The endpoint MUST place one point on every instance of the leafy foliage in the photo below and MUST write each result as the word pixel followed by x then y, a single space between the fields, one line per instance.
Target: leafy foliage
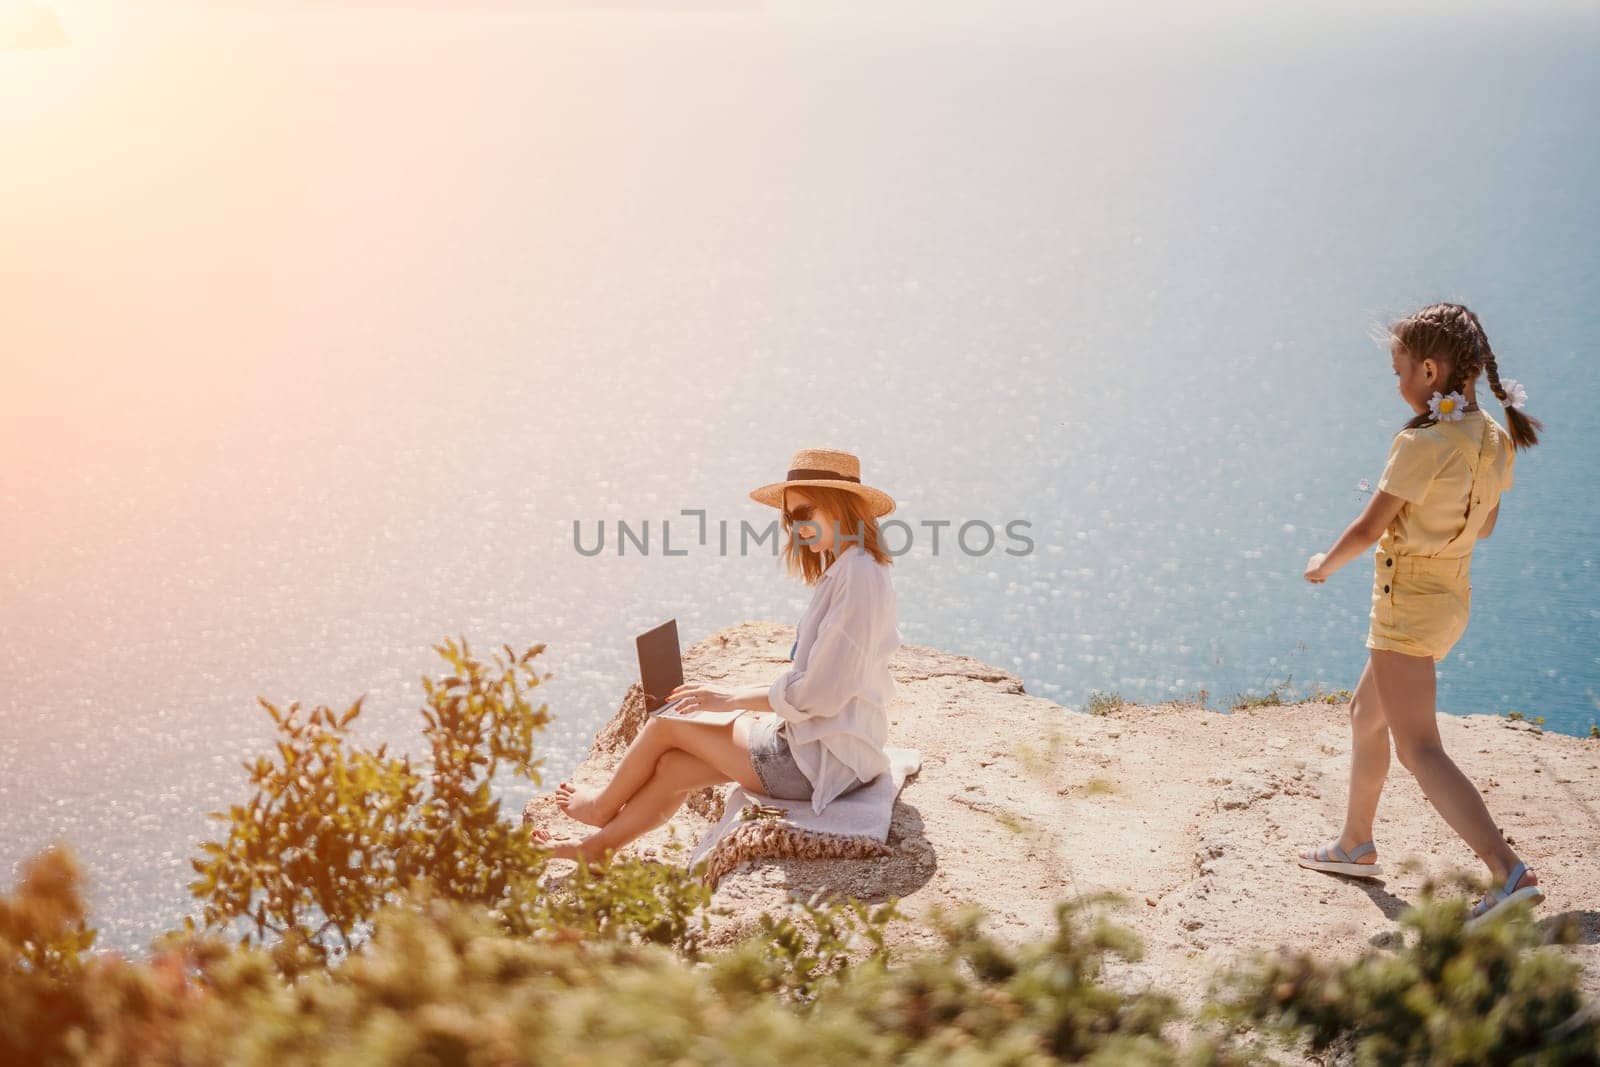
pixel 393 916
pixel 44 928
pixel 1493 994
pixel 43 938
pixel 441 981
pixel 334 832
pixel 986 1001
pixel 818 942
pixel 628 899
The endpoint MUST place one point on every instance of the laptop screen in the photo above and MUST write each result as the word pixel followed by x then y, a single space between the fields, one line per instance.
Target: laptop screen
pixel 660 663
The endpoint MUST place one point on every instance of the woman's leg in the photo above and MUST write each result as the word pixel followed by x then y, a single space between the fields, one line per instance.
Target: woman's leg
pixel 1369 767
pixel 725 747
pixel 677 774
pixel 1406 690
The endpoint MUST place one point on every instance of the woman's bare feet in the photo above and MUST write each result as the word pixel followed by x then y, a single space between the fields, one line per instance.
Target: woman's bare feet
pixel 561 850
pixel 582 805
pixel 587 850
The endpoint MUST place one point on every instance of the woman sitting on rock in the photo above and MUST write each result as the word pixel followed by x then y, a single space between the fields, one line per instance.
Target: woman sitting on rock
pixel 821 725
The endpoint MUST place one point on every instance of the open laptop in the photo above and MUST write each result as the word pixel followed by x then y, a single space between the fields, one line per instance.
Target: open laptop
pixel 660 665
pixel 661 671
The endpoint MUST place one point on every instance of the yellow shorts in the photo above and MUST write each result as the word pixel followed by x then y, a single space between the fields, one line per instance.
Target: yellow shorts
pixel 1420 604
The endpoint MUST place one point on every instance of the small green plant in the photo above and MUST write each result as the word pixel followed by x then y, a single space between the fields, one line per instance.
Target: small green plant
pixel 818 941
pixel 1040 760
pixel 627 899
pixel 1514 716
pixel 1451 995
pixel 1103 703
pixel 1012 822
pixel 1594 730
pixel 1045 997
pixel 1279 693
pixel 1271 698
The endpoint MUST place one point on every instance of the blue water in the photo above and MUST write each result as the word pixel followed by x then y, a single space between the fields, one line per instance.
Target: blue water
pixel 331 367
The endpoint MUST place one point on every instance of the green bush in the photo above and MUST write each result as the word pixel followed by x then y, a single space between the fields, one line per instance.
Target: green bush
pixel 333 833
pixel 392 916
pixel 441 981
pixel 43 938
pixel 1495 994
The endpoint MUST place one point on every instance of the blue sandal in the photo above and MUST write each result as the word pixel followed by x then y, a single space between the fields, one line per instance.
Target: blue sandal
pixel 1496 899
pixel 1335 860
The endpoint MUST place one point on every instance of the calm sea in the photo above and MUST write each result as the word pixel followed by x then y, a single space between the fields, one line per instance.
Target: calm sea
pixel 320 332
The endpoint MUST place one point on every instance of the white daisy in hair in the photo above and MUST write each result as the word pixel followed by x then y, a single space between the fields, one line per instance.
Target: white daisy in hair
pixel 1448 407
pixel 1516 395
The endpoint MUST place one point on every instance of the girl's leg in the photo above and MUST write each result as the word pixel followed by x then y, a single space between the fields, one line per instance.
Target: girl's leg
pixel 725 747
pixel 1369 766
pixel 1406 689
pixel 1369 761
pixel 677 774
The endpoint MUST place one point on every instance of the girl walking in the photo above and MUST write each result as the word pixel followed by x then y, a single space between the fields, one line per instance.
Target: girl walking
pixel 1438 496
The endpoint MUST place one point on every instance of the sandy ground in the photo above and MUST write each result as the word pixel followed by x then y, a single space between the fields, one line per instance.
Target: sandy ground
pixel 1192 815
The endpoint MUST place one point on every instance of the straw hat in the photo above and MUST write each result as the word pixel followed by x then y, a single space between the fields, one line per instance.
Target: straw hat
pixel 829 467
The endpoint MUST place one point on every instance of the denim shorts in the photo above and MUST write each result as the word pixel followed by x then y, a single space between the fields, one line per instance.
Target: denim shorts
pixel 774 763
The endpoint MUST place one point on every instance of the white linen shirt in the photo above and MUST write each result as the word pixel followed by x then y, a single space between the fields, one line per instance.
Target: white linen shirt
pixel 834 700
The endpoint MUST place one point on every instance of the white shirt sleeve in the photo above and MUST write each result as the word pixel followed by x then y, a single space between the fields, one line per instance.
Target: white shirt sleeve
pixel 836 663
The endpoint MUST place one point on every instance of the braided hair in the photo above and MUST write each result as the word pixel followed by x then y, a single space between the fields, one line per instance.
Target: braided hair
pixel 1452 335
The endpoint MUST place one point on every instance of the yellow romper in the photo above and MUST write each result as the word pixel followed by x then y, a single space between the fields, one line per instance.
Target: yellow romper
pixel 1450 475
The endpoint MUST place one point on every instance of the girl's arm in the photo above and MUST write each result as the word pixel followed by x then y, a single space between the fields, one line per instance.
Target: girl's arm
pixel 1357 537
pixel 1488 524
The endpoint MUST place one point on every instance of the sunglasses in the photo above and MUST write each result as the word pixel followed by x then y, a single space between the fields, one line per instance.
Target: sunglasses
pixel 802 513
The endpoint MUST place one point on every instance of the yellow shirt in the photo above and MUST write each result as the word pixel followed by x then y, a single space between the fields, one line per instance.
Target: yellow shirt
pixel 1431 469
